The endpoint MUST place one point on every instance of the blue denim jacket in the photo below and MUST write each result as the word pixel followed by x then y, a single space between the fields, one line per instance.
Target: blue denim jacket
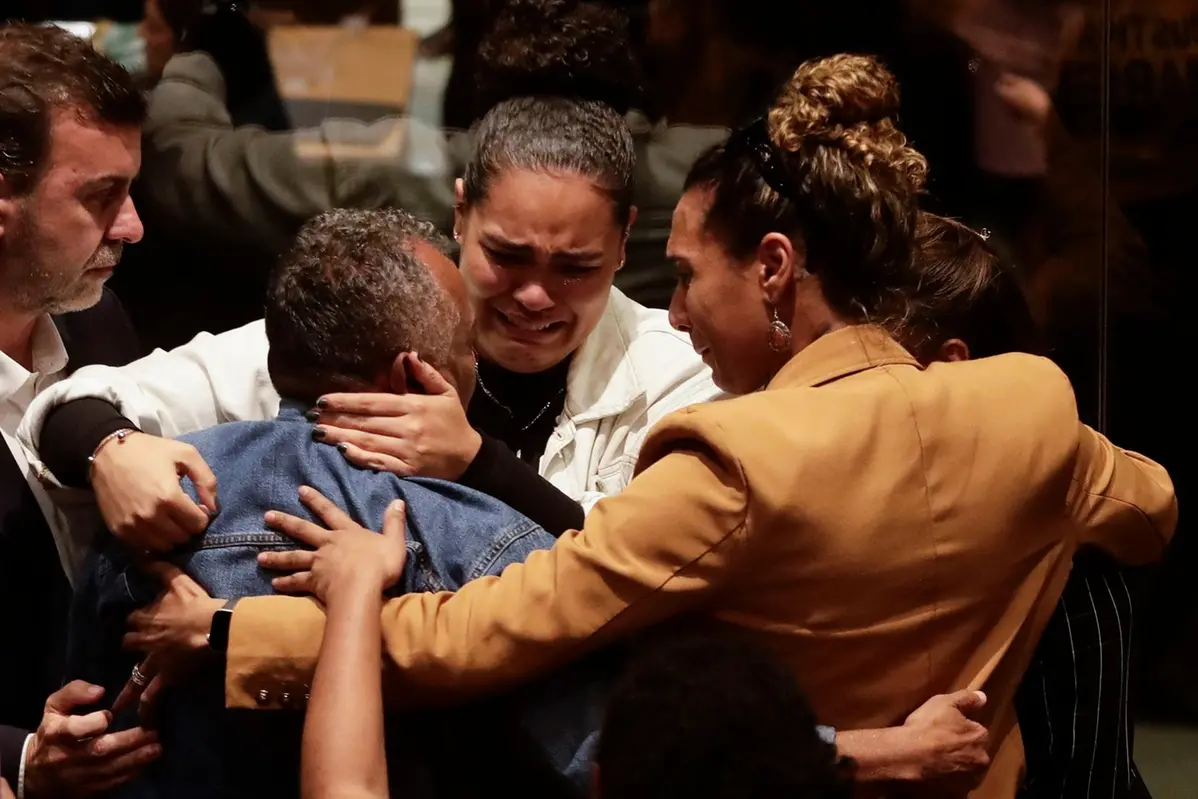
pixel 454 534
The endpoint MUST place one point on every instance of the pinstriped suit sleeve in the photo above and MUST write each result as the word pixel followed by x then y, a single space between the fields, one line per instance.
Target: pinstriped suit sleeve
pixel 1073 703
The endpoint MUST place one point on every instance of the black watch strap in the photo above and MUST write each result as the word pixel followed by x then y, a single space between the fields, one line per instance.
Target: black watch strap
pixel 218 631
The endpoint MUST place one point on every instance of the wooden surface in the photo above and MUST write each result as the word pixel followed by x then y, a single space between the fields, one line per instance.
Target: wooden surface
pixel 369 65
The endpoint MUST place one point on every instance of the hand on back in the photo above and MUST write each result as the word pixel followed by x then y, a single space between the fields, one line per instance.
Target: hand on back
pixel 139 493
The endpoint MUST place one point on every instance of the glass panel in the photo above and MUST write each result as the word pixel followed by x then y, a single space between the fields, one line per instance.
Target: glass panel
pixel 1153 74
pixel 1067 130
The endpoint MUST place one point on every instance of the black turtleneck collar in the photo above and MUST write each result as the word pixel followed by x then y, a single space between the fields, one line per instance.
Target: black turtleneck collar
pixel 521 410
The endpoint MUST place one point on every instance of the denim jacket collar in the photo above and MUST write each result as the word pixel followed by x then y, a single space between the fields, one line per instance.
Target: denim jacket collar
pixel 293 410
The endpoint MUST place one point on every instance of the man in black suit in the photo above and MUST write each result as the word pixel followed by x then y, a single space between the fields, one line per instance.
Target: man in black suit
pixel 70 145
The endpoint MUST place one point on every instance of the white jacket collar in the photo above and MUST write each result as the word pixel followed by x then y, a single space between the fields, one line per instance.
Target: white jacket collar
pixel 603 379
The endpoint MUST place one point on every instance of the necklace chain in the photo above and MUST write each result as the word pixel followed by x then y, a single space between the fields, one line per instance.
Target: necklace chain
pixel 479 378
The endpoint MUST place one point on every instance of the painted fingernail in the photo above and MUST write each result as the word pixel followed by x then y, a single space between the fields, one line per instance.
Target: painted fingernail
pixel 312 415
pixel 343 448
pixel 318 434
pixel 322 403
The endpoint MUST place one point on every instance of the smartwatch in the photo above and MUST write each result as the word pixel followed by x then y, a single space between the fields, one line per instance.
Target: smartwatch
pixel 218 631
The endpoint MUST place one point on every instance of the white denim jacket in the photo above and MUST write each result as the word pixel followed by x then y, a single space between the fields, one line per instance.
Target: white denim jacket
pixel 631 371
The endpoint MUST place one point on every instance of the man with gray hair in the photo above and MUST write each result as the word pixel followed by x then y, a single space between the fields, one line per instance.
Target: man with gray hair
pixel 357 289
pixel 359 294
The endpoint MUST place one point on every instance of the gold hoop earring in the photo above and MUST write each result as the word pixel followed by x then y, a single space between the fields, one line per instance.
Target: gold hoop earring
pixel 778 336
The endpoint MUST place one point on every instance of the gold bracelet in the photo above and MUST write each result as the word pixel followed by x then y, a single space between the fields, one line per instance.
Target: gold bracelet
pixel 118 435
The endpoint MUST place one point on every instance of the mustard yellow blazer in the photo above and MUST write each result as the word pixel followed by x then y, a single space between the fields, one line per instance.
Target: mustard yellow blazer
pixel 891 531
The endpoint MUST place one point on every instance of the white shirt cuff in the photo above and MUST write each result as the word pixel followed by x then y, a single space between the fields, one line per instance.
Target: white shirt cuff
pixel 21 772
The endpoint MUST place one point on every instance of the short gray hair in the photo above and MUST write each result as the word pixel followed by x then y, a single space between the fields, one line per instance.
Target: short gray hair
pixel 348 297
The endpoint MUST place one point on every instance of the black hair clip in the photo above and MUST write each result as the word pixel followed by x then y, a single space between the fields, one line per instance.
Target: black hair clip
pixel 753 140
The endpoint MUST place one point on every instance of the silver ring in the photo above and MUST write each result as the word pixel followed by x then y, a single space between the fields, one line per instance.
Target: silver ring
pixel 139 679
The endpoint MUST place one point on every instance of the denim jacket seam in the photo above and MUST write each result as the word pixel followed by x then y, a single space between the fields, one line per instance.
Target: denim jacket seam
pixel 211 541
pixel 502 543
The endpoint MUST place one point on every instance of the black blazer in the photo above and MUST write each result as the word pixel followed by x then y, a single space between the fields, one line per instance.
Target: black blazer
pixel 34 592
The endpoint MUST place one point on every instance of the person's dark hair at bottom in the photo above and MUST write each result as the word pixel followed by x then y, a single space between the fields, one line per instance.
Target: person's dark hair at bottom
pixel 706 712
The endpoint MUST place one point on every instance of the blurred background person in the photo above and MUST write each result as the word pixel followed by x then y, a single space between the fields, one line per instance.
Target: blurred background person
pixel 223 30
pixel 224 284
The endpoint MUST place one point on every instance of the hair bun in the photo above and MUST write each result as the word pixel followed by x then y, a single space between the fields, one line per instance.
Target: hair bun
pixel 562 48
pixel 849 102
pixel 839 91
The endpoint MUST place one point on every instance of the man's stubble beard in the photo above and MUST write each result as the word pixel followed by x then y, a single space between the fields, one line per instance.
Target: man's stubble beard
pixel 86 290
pixel 30 285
